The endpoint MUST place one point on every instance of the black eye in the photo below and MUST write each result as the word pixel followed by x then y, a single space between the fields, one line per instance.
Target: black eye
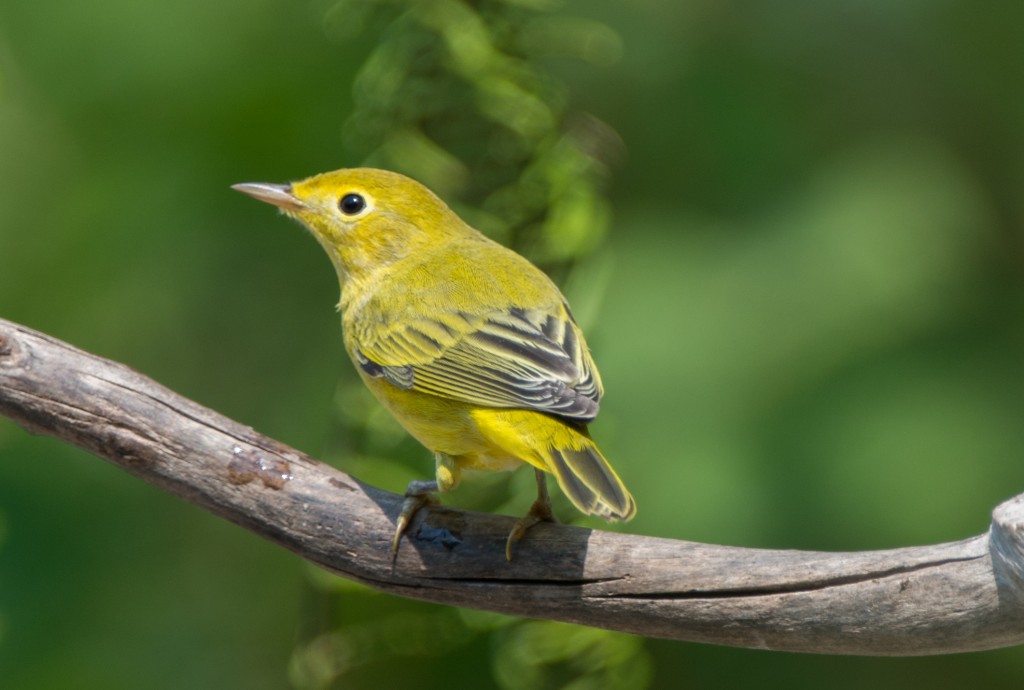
pixel 351 204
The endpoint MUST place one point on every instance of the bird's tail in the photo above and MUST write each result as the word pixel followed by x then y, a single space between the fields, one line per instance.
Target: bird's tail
pixel 562 448
pixel 589 481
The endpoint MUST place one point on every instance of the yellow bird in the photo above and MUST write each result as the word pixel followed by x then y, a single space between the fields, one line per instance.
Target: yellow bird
pixel 469 345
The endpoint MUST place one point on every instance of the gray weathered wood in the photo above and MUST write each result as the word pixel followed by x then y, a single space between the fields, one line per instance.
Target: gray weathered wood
pixel 954 597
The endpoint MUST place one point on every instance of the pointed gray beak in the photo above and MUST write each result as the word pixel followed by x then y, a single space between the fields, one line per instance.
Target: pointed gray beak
pixel 279 195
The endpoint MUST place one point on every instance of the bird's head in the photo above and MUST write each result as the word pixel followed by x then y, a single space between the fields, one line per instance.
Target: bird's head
pixel 364 218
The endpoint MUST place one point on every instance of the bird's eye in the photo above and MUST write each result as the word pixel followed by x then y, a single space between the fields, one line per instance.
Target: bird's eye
pixel 351 204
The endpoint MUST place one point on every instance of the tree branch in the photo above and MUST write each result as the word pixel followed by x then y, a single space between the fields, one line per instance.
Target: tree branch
pixel 955 597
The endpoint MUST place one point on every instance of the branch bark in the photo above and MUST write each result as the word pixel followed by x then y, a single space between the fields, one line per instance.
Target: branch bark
pixel 955 597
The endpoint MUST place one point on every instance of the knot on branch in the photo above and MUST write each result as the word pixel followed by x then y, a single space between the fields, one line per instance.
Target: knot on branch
pixel 8 350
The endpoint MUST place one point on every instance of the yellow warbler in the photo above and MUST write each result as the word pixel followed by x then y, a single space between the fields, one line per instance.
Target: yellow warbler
pixel 468 344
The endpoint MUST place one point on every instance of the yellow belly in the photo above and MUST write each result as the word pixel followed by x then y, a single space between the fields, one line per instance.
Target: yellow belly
pixel 475 437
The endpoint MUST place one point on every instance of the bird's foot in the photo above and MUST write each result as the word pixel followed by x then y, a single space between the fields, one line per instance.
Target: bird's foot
pixel 540 511
pixel 418 495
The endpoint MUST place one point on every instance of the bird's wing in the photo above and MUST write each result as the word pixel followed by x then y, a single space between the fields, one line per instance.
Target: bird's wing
pixel 528 358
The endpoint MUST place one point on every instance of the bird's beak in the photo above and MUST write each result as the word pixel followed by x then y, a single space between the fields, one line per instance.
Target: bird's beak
pixel 279 195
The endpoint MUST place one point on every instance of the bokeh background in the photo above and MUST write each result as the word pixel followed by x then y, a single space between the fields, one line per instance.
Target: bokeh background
pixel 808 309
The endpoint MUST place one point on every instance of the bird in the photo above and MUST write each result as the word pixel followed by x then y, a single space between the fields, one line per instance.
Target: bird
pixel 471 347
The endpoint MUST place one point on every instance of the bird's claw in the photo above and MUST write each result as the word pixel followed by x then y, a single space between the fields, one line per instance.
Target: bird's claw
pixel 540 511
pixel 410 507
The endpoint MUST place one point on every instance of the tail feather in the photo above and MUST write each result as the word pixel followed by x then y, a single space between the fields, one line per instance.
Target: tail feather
pixel 590 483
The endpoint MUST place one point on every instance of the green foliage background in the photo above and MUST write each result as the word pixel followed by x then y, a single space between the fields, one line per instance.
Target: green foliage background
pixel 808 312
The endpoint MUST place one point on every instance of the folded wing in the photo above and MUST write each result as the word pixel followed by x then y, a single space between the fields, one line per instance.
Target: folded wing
pixel 518 358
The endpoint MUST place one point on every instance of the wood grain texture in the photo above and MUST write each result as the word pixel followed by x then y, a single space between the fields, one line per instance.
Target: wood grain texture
pixel 954 597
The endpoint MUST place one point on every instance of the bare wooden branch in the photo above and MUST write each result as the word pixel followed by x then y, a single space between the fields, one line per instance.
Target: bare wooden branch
pixel 955 597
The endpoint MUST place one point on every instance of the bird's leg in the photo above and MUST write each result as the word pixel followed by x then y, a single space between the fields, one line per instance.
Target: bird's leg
pixel 540 511
pixel 421 492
